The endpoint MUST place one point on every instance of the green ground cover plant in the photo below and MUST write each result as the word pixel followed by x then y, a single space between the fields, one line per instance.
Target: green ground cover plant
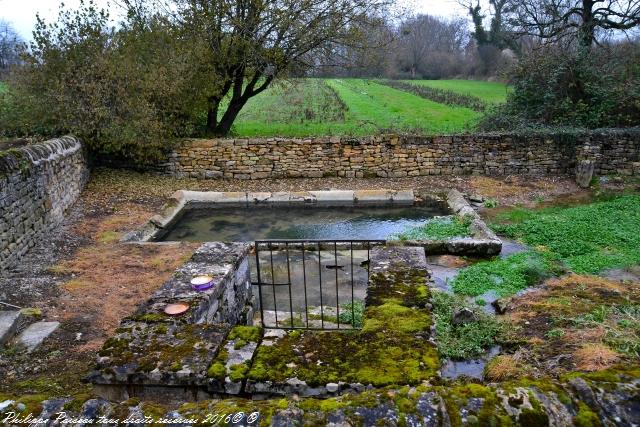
pixel 352 314
pixel 462 341
pixel 505 276
pixel 587 239
pixel 445 227
pixel 490 92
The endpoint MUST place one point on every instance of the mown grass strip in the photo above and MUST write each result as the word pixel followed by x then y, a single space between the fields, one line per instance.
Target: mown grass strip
pixel 381 108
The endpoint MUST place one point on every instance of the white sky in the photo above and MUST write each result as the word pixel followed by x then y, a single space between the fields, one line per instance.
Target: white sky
pixel 22 13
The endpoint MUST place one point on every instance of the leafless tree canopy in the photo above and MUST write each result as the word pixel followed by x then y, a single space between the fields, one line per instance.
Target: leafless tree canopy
pixel 9 45
pixel 580 20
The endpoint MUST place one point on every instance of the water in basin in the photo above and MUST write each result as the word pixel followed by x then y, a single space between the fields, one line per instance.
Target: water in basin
pixel 247 224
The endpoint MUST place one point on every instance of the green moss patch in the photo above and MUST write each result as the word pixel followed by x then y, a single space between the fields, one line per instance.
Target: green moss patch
pixel 391 348
pixel 246 333
pixel 170 349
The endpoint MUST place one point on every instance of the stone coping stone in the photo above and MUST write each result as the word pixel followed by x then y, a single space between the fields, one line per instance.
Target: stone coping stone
pixel 216 259
pixel 35 334
pixel 159 354
pixel 9 321
pixel 482 242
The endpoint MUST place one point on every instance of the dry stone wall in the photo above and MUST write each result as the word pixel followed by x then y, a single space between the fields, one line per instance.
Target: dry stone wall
pixel 38 183
pixel 615 152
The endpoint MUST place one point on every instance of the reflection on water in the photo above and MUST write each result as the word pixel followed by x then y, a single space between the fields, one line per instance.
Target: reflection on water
pixel 247 224
pixel 312 282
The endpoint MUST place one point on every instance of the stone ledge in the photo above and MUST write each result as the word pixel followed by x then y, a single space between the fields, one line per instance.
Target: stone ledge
pixel 482 242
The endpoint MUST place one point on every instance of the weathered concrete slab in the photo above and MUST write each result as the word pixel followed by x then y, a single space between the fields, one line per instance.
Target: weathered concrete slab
pixel 334 197
pixel 403 197
pixel 36 333
pixel 373 197
pixel 8 324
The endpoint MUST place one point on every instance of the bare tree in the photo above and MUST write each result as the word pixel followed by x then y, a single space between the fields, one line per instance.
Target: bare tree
pixel 428 45
pixel 9 45
pixel 499 34
pixel 580 20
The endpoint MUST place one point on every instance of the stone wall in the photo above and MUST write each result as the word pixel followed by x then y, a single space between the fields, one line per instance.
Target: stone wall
pixel 153 355
pixel 38 183
pixel 400 156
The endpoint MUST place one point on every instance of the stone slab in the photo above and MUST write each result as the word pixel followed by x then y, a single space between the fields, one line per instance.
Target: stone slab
pixel 333 197
pixel 373 197
pixel 36 333
pixel 8 324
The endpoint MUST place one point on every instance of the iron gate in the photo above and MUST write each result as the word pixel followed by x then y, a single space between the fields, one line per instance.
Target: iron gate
pixel 312 284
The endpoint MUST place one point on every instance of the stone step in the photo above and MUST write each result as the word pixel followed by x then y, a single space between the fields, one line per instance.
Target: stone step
pixel 36 333
pixel 9 321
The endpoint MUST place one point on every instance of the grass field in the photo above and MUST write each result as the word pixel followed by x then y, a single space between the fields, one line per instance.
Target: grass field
pixel 306 107
pixel 490 92
pixel 316 107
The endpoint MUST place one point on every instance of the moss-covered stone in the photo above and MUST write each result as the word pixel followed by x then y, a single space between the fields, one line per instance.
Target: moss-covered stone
pixel 217 370
pixel 390 349
pixel 246 333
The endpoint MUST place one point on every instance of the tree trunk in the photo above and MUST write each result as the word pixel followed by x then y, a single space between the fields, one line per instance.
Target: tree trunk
pixel 588 27
pixel 212 114
pixel 223 127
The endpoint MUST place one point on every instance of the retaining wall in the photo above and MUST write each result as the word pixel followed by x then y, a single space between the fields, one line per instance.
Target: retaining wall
pixel 615 152
pixel 38 183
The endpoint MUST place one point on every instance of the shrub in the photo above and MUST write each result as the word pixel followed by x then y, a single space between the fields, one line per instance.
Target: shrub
pixel 571 87
pixel 127 92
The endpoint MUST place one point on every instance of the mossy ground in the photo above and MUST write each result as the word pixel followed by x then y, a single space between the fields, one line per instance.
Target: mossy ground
pixel 169 350
pixel 391 348
pixel 592 322
pixel 240 336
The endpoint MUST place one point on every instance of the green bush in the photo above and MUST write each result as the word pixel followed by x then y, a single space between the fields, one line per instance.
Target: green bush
pixel 570 87
pixel 127 93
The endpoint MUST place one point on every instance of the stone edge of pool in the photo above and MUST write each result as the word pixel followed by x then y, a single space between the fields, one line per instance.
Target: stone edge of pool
pixel 482 242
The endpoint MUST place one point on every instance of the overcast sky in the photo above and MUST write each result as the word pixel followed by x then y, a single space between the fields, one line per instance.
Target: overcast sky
pixel 22 13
